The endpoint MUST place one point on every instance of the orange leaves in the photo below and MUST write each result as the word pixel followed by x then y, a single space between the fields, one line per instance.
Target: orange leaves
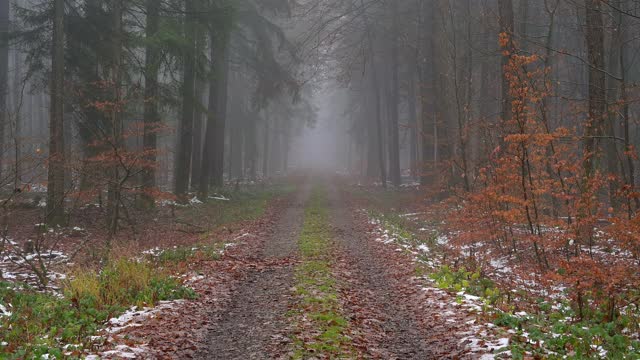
pixel 504 39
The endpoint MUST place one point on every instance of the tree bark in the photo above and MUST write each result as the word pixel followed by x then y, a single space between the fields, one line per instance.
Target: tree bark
pixel 56 171
pixel 4 77
pixel 185 130
pixel 506 28
pixel 266 147
pixel 597 84
pixel 413 125
pixel 378 103
pixel 221 113
pixel 115 185
pixel 236 145
pixel 394 141
pixel 151 93
pixel 198 119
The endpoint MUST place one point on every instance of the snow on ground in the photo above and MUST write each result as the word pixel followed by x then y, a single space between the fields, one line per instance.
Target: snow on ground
pixel 411 215
pixel 120 352
pixel 481 338
pixel 219 197
pixel 134 317
pixel 4 311
pixel 16 266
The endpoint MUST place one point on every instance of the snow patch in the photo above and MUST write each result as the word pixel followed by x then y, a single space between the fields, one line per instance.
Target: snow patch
pixel 134 317
pixel 4 311
pixel 219 197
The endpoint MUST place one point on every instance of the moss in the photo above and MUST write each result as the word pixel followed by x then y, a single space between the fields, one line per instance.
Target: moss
pixel 317 290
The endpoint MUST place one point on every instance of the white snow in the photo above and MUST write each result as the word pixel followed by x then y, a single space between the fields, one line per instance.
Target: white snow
pixel 122 352
pixel 481 337
pixel 219 197
pixel 4 311
pixel 411 214
pixel 133 317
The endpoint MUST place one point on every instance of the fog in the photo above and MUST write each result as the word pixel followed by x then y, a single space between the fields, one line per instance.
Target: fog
pixel 152 150
pixel 321 146
pixel 182 96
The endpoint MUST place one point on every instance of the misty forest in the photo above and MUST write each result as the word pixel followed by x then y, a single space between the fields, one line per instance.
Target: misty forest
pixel 320 179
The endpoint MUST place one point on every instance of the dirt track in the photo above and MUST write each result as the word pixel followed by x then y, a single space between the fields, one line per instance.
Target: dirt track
pixel 376 289
pixel 246 329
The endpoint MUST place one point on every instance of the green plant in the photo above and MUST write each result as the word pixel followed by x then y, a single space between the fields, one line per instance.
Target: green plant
pixel 123 283
pixel 185 253
pixel 317 289
pixel 41 324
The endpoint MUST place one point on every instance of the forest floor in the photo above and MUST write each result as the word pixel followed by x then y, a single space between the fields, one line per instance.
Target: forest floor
pixel 308 276
pixel 311 280
pixel 309 267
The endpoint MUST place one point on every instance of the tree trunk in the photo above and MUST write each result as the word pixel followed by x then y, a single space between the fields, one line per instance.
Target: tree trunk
pixel 151 93
pixel 507 29
pixel 198 119
pixel 373 168
pixel 115 181
pixel 424 94
pixel 378 101
pixel 250 146
pixel 16 133
pixel 221 113
pixel 185 131
pixel 394 141
pixel 612 93
pixel 597 84
pixel 235 155
pixel 629 149
pixel 209 148
pixel 265 150
pixel 286 141
pixel 4 77
pixel 413 125
pixel 56 172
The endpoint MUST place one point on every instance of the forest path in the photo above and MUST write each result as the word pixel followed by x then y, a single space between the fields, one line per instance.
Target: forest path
pixel 375 284
pixel 259 305
pixel 392 332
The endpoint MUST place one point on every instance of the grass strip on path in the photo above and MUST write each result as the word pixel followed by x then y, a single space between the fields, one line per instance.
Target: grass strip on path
pixel 321 330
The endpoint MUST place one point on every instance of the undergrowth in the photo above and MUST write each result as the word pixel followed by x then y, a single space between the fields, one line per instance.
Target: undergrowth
pixel 61 326
pixel 553 330
pixel 184 254
pixel 317 291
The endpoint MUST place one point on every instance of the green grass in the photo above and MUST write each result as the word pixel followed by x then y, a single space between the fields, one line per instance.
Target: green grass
pixel 185 254
pixel 43 323
pixel 248 203
pixel 317 291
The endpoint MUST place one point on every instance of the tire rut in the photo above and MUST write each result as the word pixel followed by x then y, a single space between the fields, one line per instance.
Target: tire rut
pixel 259 304
pixel 400 337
